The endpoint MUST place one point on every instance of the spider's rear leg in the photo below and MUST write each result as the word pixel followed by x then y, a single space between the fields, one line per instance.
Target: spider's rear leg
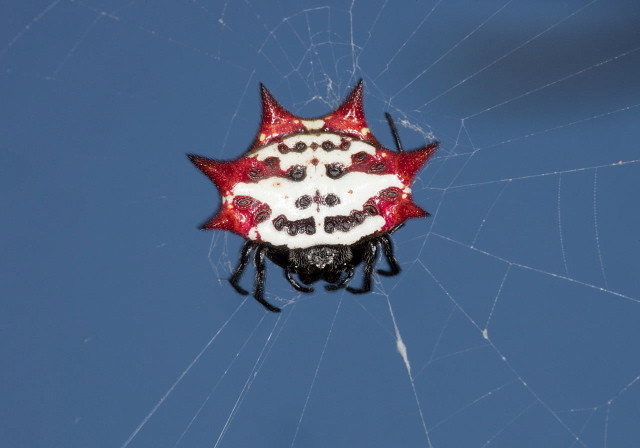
pixel 394 132
pixel 258 291
pixel 369 259
pixel 387 249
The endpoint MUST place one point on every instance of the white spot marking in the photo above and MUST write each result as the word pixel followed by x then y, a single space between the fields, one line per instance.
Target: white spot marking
pixel 313 124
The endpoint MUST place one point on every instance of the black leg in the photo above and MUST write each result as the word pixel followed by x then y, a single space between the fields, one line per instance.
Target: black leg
pixel 394 131
pixel 237 273
pixel 369 259
pixel 258 291
pixel 387 249
pixel 297 286
pixel 343 281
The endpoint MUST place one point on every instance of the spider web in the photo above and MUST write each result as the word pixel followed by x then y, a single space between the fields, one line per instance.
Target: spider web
pixel 513 322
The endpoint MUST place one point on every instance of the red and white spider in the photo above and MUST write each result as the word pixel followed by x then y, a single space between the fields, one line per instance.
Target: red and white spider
pixel 315 196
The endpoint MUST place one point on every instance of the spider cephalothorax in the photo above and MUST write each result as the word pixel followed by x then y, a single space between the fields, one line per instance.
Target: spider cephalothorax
pixel 315 196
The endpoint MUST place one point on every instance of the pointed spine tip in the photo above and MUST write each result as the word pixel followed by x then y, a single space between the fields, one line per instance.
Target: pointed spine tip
pixel 349 117
pixel 410 162
pixel 223 220
pixel 355 96
pixel 200 162
pixel 359 85
pixel 352 105
pixel 265 95
pixel 409 209
pixel 268 101
pixel 276 120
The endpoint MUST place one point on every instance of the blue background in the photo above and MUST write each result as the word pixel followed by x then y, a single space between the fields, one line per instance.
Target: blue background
pixel 519 300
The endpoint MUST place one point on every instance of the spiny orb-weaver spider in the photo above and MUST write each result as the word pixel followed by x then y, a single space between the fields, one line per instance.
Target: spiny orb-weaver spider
pixel 315 196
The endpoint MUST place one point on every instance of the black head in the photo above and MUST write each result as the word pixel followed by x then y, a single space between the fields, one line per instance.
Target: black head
pixel 321 263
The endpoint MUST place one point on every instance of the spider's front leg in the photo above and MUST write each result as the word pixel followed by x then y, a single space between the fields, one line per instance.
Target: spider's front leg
pixel 237 273
pixel 369 260
pixel 258 259
pixel 342 282
pixel 288 273
pixel 387 249
pixel 258 291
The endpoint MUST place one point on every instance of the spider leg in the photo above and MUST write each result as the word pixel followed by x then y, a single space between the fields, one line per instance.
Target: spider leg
pixel 258 291
pixel 237 273
pixel 394 131
pixel 343 281
pixel 387 249
pixel 297 286
pixel 369 259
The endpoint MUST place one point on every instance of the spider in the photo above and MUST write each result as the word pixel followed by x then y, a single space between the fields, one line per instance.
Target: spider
pixel 317 197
